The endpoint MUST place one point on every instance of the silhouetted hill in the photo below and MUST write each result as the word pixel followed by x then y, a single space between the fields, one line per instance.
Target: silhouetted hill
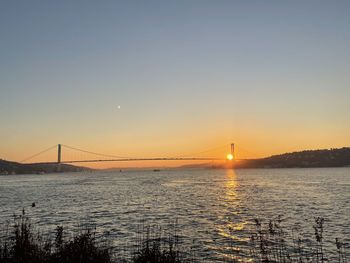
pixel 7 167
pixel 303 159
pixel 310 158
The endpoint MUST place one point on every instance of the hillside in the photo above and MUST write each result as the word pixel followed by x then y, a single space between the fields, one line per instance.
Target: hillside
pixel 7 167
pixel 310 158
pixel 303 159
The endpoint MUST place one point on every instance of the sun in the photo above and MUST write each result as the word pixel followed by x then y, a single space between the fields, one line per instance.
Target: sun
pixel 229 157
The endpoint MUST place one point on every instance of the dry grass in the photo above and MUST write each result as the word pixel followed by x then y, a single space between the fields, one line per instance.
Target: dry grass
pixel 269 243
pixel 272 243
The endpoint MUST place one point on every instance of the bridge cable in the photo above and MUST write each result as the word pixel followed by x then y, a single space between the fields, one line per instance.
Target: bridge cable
pixel 208 150
pixel 94 153
pixel 250 153
pixel 35 155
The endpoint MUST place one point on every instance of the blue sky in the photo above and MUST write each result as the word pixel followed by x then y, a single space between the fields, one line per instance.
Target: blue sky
pixel 272 75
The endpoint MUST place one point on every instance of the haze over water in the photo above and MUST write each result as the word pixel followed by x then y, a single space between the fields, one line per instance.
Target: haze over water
pixel 212 208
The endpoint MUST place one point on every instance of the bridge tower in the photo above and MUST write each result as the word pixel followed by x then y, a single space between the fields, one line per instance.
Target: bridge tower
pixel 59 158
pixel 59 153
pixel 233 150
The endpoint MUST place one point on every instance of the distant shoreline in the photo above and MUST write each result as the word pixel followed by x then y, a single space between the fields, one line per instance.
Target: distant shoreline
pixel 325 158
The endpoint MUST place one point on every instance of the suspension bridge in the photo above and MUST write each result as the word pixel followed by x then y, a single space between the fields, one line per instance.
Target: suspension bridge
pixel 100 157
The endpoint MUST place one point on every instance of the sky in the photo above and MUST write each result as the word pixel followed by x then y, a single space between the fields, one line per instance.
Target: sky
pixel 170 78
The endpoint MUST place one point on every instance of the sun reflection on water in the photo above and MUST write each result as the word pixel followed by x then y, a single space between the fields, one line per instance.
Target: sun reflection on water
pixel 231 185
pixel 232 226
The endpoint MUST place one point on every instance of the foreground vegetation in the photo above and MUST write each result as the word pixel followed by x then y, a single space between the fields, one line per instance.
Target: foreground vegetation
pixel 19 243
pixel 268 243
pixel 272 243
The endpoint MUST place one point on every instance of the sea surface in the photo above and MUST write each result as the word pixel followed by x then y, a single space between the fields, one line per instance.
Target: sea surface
pixel 212 211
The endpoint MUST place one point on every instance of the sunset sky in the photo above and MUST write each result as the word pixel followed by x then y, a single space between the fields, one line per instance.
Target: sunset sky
pixel 171 78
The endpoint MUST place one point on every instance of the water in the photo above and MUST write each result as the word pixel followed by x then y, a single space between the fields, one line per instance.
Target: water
pixel 212 209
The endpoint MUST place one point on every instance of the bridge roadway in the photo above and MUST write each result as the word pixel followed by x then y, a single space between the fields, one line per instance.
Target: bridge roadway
pixel 137 159
pixel 120 158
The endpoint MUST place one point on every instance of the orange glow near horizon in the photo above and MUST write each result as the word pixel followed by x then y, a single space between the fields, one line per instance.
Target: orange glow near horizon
pixel 190 91
pixel 206 147
pixel 229 157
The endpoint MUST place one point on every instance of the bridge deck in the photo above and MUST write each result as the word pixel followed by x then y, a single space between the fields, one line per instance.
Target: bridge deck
pixel 137 159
